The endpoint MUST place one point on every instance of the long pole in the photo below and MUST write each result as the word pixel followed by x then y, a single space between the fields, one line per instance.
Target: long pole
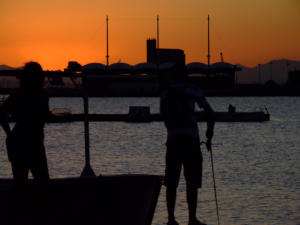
pixel 271 72
pixel 208 43
pixel 214 180
pixel 157 43
pixel 107 56
pixel 87 170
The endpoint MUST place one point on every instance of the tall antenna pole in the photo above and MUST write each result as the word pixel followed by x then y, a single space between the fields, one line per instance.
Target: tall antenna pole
pixel 107 56
pixel 271 71
pixel 87 170
pixel 157 24
pixel 259 74
pixel 208 43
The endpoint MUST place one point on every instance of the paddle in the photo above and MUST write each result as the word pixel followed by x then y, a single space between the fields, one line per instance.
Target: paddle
pixel 87 170
pixel 208 146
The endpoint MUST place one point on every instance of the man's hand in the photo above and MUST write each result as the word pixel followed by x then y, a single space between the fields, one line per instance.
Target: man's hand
pixel 210 132
pixel 210 125
pixel 209 136
pixel 208 145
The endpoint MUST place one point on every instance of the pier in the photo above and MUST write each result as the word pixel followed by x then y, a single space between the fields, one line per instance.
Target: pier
pixel 143 118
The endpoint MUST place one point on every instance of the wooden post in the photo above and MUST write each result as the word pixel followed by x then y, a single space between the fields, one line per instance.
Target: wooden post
pixel 87 170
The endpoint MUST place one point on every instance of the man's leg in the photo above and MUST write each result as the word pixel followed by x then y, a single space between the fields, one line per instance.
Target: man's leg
pixel 171 200
pixel 172 174
pixel 39 170
pixel 192 196
pixel 193 175
pixel 16 204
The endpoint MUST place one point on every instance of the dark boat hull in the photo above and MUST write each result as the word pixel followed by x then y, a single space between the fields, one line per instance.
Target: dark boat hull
pixel 105 200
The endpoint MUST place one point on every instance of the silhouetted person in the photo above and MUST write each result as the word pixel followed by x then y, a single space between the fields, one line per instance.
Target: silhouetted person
pixel 183 143
pixel 25 142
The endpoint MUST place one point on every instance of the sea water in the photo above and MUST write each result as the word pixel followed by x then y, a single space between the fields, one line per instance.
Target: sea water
pixel 257 164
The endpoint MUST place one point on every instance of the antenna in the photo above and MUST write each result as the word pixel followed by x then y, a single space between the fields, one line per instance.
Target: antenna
pixel 208 43
pixel 157 24
pixel 107 56
pixel 271 71
pixel 259 74
pixel 221 55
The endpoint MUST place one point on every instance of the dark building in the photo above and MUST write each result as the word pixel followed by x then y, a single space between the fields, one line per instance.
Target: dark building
pixel 220 75
pixel 161 55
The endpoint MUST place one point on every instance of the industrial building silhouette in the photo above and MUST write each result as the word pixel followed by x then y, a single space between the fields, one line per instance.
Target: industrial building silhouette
pixel 163 55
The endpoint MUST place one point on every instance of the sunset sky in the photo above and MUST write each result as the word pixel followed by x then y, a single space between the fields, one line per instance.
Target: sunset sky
pixel 54 32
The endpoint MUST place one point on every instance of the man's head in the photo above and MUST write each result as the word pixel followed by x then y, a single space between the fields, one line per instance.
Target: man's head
pixel 33 76
pixel 178 72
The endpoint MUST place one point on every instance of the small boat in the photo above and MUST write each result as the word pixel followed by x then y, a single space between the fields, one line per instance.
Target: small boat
pixel 102 200
pixel 141 114
pixel 61 112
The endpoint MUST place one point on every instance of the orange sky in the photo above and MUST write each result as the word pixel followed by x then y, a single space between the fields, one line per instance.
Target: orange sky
pixel 54 32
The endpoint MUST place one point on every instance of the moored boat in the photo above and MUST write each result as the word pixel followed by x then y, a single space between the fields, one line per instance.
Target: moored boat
pixel 141 114
pixel 103 200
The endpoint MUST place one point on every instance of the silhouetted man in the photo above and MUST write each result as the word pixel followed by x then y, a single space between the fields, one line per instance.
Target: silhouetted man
pixel 183 142
pixel 25 142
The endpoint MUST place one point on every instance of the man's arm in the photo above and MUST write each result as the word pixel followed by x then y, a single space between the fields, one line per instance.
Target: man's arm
pixel 3 115
pixel 3 119
pixel 209 113
pixel 210 118
pixel 46 111
pixel 6 127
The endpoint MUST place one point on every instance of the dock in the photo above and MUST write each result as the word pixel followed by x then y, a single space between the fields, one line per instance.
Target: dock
pixel 156 117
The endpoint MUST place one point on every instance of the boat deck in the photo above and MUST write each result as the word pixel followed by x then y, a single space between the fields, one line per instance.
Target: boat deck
pixel 103 200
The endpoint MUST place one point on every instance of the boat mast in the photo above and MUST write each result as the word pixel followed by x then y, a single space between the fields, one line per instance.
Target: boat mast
pixel 157 25
pixel 107 56
pixel 259 74
pixel 271 71
pixel 208 43
pixel 87 170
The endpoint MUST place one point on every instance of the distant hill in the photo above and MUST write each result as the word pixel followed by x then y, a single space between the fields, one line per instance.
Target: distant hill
pixel 5 67
pixel 277 69
pixel 8 82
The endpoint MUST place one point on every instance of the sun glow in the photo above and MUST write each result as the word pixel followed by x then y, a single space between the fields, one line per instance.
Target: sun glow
pixel 55 32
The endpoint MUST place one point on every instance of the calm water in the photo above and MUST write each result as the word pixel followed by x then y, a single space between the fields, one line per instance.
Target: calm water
pixel 257 165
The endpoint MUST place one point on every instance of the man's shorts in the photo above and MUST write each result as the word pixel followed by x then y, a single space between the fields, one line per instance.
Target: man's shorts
pixel 184 151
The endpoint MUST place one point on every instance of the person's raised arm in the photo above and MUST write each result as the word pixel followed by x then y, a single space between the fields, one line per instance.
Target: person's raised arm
pixel 5 126
pixel 3 116
pixel 209 115
pixel 210 119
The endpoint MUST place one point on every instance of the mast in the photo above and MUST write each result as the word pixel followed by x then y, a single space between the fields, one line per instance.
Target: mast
pixel 208 43
pixel 87 170
pixel 157 24
pixel 259 74
pixel 107 56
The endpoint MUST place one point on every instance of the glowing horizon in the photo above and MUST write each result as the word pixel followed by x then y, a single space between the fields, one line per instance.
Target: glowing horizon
pixel 55 32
